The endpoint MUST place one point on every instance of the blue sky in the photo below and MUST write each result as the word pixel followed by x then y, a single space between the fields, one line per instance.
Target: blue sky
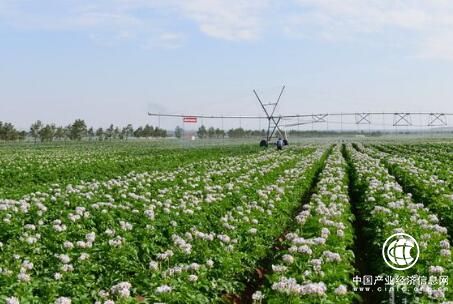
pixel 112 61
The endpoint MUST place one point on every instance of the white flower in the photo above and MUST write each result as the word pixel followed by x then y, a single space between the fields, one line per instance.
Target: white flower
pixel 319 241
pixel 210 263
pixel 116 242
pixel 445 244
pixel 224 238
pixel 82 244
pixel 193 278
pixel 325 233
pixel 67 268
pixel 279 268
pixel 68 245
pixel 126 226
pixel 109 232
pixel 122 289
pixel 163 289
pixel 63 300
pixel 290 286
pixel 57 276
pixel 27 265
pixel 90 237
pixel 331 256
pixel 12 300
pixel 292 249
pixel 153 265
pixel 84 256
pixel 64 258
pixel 164 256
pixel 437 294
pixel 445 252
pixel 341 290
pixel 436 269
pixel 31 240
pixel 24 277
pixel 288 259
pixel 258 296
pixel 305 249
pixel 194 266
pixel 313 288
pixel 316 262
pixel 149 214
pixel 103 294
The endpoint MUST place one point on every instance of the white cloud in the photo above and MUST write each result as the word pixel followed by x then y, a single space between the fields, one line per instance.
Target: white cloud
pixel 222 19
pixel 371 15
pixel 226 19
pixel 430 22
pixel 163 23
pixel 167 40
pixel 106 23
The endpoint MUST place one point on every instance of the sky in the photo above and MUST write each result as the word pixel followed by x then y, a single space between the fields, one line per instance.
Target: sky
pixel 112 61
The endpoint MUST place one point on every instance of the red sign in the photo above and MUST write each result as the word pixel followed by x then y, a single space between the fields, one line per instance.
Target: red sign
pixel 189 119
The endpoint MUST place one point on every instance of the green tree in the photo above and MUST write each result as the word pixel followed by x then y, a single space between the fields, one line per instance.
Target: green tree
pixel 47 132
pixel 90 133
pixel 211 132
pixel 116 133
pixel 148 131
pixel 35 128
pixel 109 132
pixel 236 133
pixel 160 132
pixel 21 135
pixel 59 133
pixel 78 130
pixel 179 132
pixel 9 132
pixel 219 133
pixel 67 131
pixel 202 132
pixel 100 134
pixel 128 131
pixel 138 132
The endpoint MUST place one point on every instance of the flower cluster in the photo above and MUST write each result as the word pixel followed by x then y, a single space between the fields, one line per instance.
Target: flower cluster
pixel 315 257
pixel 168 216
pixel 388 210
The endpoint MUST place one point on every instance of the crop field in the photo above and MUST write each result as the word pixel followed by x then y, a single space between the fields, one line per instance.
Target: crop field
pixel 131 223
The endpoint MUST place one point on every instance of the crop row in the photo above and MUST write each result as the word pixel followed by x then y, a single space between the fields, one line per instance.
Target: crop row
pixel 314 263
pixel 25 169
pixel 147 233
pixel 234 240
pixel 387 209
pixel 77 211
pixel 418 178
pixel 431 159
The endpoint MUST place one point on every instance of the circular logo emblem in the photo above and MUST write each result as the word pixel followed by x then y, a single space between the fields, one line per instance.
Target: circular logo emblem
pixel 400 251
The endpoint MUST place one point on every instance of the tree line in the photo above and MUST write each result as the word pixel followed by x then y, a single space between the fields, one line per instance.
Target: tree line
pixel 77 131
pixel 203 132
pixel 8 132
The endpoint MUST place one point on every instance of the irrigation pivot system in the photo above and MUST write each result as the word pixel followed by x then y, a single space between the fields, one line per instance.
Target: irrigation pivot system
pixel 272 121
pixel 277 123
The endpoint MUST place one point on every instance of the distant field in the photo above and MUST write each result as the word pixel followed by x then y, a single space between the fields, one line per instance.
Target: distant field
pixel 220 222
